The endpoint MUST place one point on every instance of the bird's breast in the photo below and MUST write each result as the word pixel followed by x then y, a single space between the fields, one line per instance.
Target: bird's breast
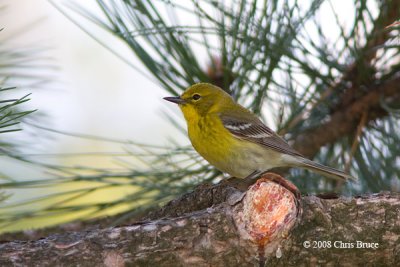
pixel 218 146
pixel 211 140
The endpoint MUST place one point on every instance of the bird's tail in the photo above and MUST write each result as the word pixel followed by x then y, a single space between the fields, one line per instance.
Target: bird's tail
pixel 323 170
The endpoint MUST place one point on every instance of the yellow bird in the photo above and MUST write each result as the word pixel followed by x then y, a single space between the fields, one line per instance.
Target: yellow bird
pixel 234 140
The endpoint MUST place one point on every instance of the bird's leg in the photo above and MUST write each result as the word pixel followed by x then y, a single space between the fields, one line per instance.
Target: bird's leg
pixel 250 179
pixel 254 174
pixel 243 184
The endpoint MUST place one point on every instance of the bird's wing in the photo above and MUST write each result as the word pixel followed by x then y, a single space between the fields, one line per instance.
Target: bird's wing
pixel 250 128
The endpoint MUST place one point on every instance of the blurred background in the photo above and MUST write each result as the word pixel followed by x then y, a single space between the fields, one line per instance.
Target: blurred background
pixel 77 86
pixel 102 141
pixel 87 88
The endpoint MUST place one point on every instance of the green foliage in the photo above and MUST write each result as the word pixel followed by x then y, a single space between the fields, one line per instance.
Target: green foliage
pixel 12 109
pixel 10 115
pixel 11 99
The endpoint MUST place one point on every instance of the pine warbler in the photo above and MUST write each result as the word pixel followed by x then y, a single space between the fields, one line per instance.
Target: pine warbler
pixel 234 140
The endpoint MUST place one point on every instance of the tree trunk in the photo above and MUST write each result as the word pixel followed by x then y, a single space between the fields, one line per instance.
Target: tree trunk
pixel 205 228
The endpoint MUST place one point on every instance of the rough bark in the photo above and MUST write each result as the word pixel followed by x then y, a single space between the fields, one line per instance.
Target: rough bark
pixel 201 229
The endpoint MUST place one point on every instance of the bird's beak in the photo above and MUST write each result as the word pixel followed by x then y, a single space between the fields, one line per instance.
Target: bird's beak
pixel 175 99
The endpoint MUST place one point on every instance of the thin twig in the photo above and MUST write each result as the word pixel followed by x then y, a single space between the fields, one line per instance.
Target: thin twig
pixel 357 139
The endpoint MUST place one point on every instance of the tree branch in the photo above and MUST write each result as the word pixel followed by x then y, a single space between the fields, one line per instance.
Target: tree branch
pixel 345 121
pixel 210 234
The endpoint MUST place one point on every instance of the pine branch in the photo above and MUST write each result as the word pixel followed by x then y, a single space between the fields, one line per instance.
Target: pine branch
pixel 344 122
pixel 362 72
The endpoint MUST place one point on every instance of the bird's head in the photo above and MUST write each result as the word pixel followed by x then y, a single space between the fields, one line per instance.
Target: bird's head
pixel 201 99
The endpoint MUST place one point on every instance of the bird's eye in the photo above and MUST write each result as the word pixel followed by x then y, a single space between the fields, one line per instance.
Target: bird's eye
pixel 196 97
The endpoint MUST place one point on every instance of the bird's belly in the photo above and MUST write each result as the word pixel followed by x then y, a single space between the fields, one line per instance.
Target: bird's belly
pixel 250 158
pixel 238 158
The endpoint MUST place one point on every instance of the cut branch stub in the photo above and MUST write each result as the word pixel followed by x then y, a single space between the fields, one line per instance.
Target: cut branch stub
pixel 270 210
